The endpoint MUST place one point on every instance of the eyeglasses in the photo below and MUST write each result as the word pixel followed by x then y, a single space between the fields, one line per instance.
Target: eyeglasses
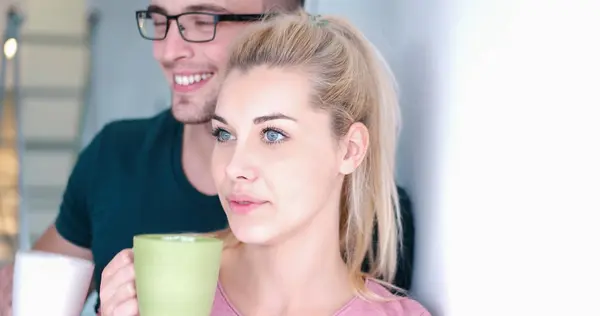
pixel 196 27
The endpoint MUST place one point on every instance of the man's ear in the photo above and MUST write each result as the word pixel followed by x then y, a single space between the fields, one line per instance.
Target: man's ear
pixel 356 143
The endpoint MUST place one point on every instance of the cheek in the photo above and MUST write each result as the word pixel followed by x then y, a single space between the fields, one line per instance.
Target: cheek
pixel 213 54
pixel 218 49
pixel 220 159
pixel 157 49
pixel 303 181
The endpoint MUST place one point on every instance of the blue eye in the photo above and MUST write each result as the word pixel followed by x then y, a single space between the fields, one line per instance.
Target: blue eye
pixel 222 135
pixel 272 136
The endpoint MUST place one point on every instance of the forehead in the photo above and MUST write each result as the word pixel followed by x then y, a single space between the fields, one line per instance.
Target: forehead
pixel 216 6
pixel 263 91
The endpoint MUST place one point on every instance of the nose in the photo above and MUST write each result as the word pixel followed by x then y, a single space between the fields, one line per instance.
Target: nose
pixel 174 46
pixel 241 167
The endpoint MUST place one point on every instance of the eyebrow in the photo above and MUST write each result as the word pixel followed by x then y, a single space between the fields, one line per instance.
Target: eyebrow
pixel 211 8
pixel 260 119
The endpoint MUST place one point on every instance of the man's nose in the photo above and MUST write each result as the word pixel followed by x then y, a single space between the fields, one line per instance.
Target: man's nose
pixel 175 47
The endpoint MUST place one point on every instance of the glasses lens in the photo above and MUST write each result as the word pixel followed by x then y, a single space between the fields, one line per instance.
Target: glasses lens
pixel 152 25
pixel 197 27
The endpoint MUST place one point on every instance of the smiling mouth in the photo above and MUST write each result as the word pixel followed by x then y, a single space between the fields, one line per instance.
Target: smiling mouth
pixel 186 80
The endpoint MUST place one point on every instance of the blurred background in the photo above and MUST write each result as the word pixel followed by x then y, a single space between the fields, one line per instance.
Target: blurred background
pixel 500 149
pixel 44 78
pixel 59 58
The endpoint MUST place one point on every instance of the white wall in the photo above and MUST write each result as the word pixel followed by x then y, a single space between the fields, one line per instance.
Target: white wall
pixel 500 152
pixel 519 158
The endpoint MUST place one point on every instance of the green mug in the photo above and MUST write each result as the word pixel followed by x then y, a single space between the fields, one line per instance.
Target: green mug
pixel 176 274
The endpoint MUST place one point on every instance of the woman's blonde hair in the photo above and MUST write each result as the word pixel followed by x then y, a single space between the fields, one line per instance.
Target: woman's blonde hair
pixel 351 80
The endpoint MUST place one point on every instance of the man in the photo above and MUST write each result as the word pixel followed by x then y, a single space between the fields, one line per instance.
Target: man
pixel 153 175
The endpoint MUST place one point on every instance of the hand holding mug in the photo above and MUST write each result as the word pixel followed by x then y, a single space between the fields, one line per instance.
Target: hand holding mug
pixel 118 295
pixel 172 275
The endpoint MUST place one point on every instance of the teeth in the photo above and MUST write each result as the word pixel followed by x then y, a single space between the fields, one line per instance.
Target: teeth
pixel 188 80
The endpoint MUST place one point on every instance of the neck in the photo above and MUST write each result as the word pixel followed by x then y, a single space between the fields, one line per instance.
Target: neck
pixel 198 145
pixel 303 270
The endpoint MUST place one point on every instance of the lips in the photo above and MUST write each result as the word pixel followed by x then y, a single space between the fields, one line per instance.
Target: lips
pixel 244 204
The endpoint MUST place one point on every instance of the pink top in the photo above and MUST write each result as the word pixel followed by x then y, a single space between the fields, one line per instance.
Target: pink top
pixel 400 306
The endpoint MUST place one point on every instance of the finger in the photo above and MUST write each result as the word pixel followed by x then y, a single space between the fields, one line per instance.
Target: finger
pixel 125 307
pixel 123 258
pixel 128 308
pixel 122 295
pixel 119 281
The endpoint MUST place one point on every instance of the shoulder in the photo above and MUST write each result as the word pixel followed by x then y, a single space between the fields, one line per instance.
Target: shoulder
pixel 128 139
pixel 115 140
pixel 124 145
pixel 392 305
pixel 128 132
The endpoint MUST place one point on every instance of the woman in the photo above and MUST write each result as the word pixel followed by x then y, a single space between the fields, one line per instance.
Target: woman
pixel 305 127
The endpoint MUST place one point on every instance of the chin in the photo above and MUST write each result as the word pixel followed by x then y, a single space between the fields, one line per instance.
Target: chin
pixel 189 113
pixel 192 109
pixel 253 234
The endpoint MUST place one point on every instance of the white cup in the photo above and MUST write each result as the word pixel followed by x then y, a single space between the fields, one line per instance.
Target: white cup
pixel 50 284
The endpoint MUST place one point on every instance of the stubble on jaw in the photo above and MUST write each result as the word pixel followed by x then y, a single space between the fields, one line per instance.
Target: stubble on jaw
pixel 186 112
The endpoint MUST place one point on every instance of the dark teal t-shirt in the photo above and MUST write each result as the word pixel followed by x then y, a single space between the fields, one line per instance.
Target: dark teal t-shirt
pixel 129 180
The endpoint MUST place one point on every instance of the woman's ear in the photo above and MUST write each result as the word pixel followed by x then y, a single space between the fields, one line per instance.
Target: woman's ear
pixel 356 143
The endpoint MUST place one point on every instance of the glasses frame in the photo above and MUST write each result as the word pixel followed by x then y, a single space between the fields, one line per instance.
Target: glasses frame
pixel 217 18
